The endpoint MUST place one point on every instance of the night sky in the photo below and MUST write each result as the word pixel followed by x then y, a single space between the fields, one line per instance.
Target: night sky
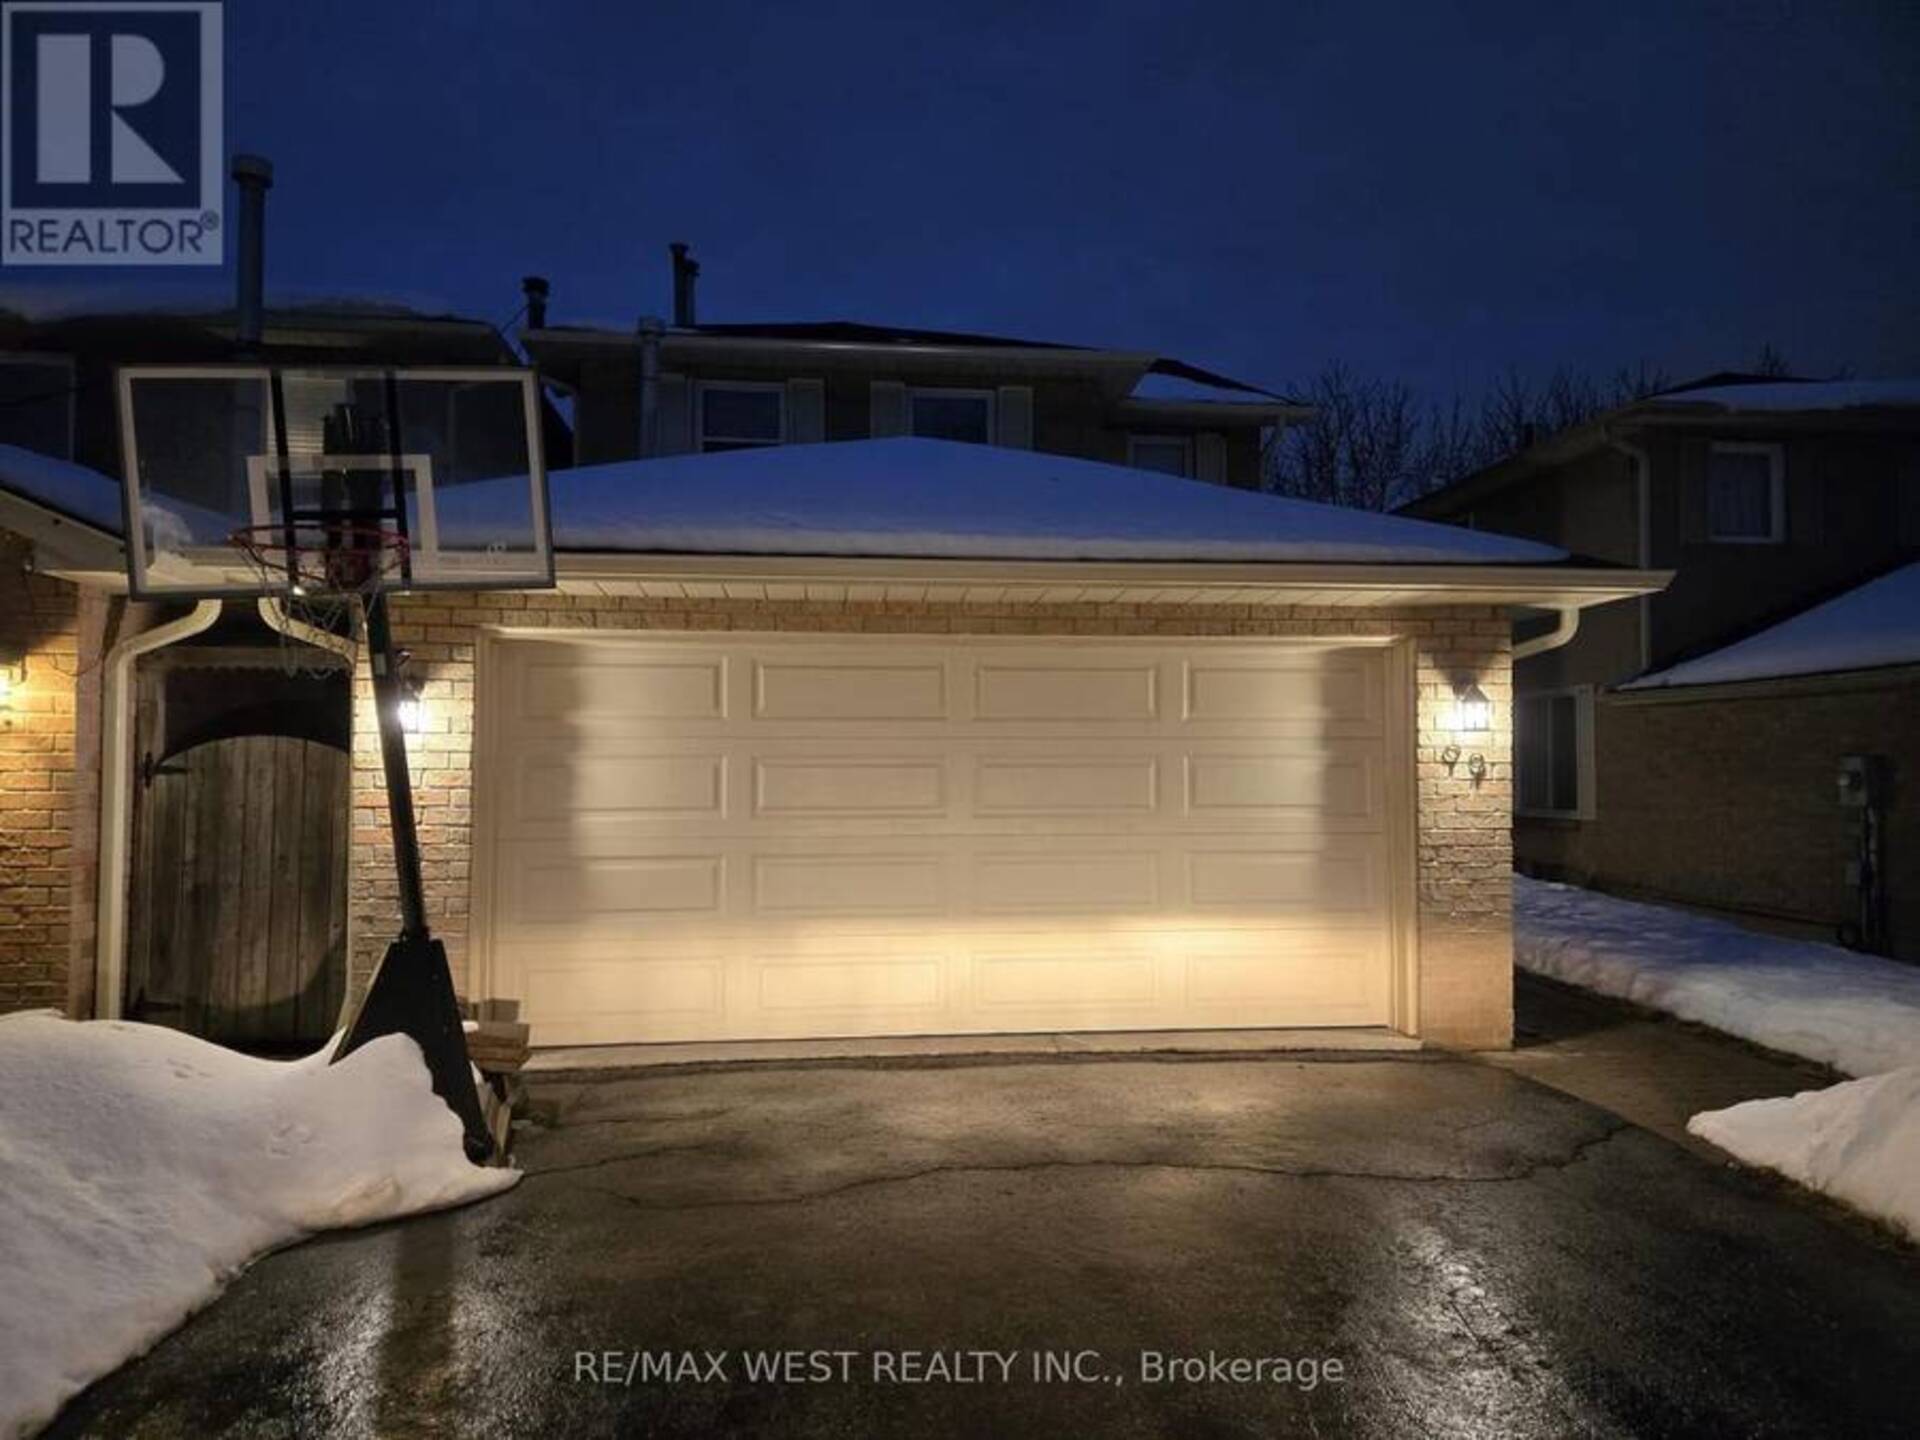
pixel 1428 191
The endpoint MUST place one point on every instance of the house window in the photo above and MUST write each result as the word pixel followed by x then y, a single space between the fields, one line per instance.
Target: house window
pixel 952 415
pixel 740 416
pixel 36 403
pixel 1553 753
pixel 1169 454
pixel 1746 494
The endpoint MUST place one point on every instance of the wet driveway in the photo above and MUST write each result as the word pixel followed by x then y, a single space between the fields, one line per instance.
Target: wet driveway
pixel 1447 1247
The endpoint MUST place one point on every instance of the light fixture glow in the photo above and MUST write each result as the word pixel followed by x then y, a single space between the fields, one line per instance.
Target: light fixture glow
pixel 1472 711
pixel 413 716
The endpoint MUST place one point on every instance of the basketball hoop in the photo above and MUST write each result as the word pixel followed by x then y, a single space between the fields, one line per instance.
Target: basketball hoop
pixel 318 569
pixel 318 558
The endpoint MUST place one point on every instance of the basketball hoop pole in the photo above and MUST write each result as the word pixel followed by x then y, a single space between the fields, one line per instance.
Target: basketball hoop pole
pixel 412 991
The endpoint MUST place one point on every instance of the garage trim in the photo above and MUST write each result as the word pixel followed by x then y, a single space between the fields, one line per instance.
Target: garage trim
pixel 1398 744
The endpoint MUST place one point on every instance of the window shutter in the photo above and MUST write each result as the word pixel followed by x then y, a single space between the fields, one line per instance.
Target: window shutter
pixel 1693 495
pixel 675 415
pixel 1210 458
pixel 1013 417
pixel 806 412
pixel 886 408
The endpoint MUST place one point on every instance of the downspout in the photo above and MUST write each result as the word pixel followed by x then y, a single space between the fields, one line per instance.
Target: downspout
pixel 116 795
pixel 1565 627
pixel 651 329
pixel 1643 501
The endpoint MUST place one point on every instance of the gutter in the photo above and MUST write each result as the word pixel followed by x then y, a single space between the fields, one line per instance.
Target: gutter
pixel 1564 629
pixel 116 797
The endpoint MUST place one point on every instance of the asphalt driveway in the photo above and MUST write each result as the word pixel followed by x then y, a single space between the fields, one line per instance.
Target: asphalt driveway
pixel 1480 1253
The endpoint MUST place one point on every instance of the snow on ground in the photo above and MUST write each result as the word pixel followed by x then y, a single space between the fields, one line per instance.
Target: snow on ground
pixel 1858 1142
pixel 141 1168
pixel 1778 395
pixel 1857 1013
pixel 1873 624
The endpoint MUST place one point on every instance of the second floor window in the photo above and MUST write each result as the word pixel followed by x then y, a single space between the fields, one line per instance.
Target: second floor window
pixel 740 416
pixel 1169 454
pixel 952 415
pixel 1746 494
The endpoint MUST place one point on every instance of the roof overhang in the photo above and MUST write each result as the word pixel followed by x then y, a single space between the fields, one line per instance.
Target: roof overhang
pixel 833 578
pixel 1202 413
pixel 64 547
pixel 559 349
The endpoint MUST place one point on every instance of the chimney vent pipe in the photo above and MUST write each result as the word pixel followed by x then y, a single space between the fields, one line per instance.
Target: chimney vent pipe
pixel 536 289
pixel 254 175
pixel 686 271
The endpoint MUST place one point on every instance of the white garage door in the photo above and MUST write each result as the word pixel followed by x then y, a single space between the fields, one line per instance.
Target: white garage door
pixel 766 837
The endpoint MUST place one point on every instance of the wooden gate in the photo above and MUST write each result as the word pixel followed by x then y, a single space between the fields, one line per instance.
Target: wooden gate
pixel 238 923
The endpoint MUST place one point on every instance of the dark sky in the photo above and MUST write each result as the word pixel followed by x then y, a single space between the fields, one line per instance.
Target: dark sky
pixel 1426 190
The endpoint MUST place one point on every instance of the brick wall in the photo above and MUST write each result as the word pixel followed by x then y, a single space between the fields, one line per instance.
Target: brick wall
pixel 1729 803
pixel 42 618
pixel 1462 841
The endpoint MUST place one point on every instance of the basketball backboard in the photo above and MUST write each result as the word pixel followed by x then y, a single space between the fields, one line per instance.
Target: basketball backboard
pixel 234 473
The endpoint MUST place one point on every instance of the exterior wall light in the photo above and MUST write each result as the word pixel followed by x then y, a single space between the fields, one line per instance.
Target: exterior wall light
pixel 1472 716
pixel 1472 711
pixel 13 675
pixel 411 710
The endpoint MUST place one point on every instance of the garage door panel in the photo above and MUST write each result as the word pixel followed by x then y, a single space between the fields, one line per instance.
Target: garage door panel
pixel 1066 882
pixel 559 784
pixel 1305 882
pixel 881 985
pixel 1066 785
pixel 570 889
pixel 842 691
pixel 1086 693
pixel 800 787
pixel 586 684
pixel 853 884
pixel 1334 783
pixel 1341 691
pixel 1046 834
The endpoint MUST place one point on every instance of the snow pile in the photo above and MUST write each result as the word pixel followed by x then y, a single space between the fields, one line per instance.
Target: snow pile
pixel 1781 395
pixel 1857 1013
pixel 142 1168
pixel 1873 624
pixel 1858 1142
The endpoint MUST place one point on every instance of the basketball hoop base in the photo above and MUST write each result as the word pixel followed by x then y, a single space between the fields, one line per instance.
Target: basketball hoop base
pixel 412 994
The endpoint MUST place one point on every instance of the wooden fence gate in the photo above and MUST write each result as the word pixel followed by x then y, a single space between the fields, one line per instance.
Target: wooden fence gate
pixel 239 892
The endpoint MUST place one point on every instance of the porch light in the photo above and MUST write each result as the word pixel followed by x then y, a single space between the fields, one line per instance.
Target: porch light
pixel 13 674
pixel 1472 711
pixel 411 709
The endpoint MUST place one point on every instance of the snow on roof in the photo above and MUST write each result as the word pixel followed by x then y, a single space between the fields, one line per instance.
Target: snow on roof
pixel 920 498
pixel 74 490
pixel 1790 395
pixel 905 498
pixel 1157 386
pixel 1871 625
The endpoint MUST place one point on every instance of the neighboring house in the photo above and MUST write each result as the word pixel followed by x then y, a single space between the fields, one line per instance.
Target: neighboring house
pixel 239 760
pixel 724 387
pixel 1747 740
